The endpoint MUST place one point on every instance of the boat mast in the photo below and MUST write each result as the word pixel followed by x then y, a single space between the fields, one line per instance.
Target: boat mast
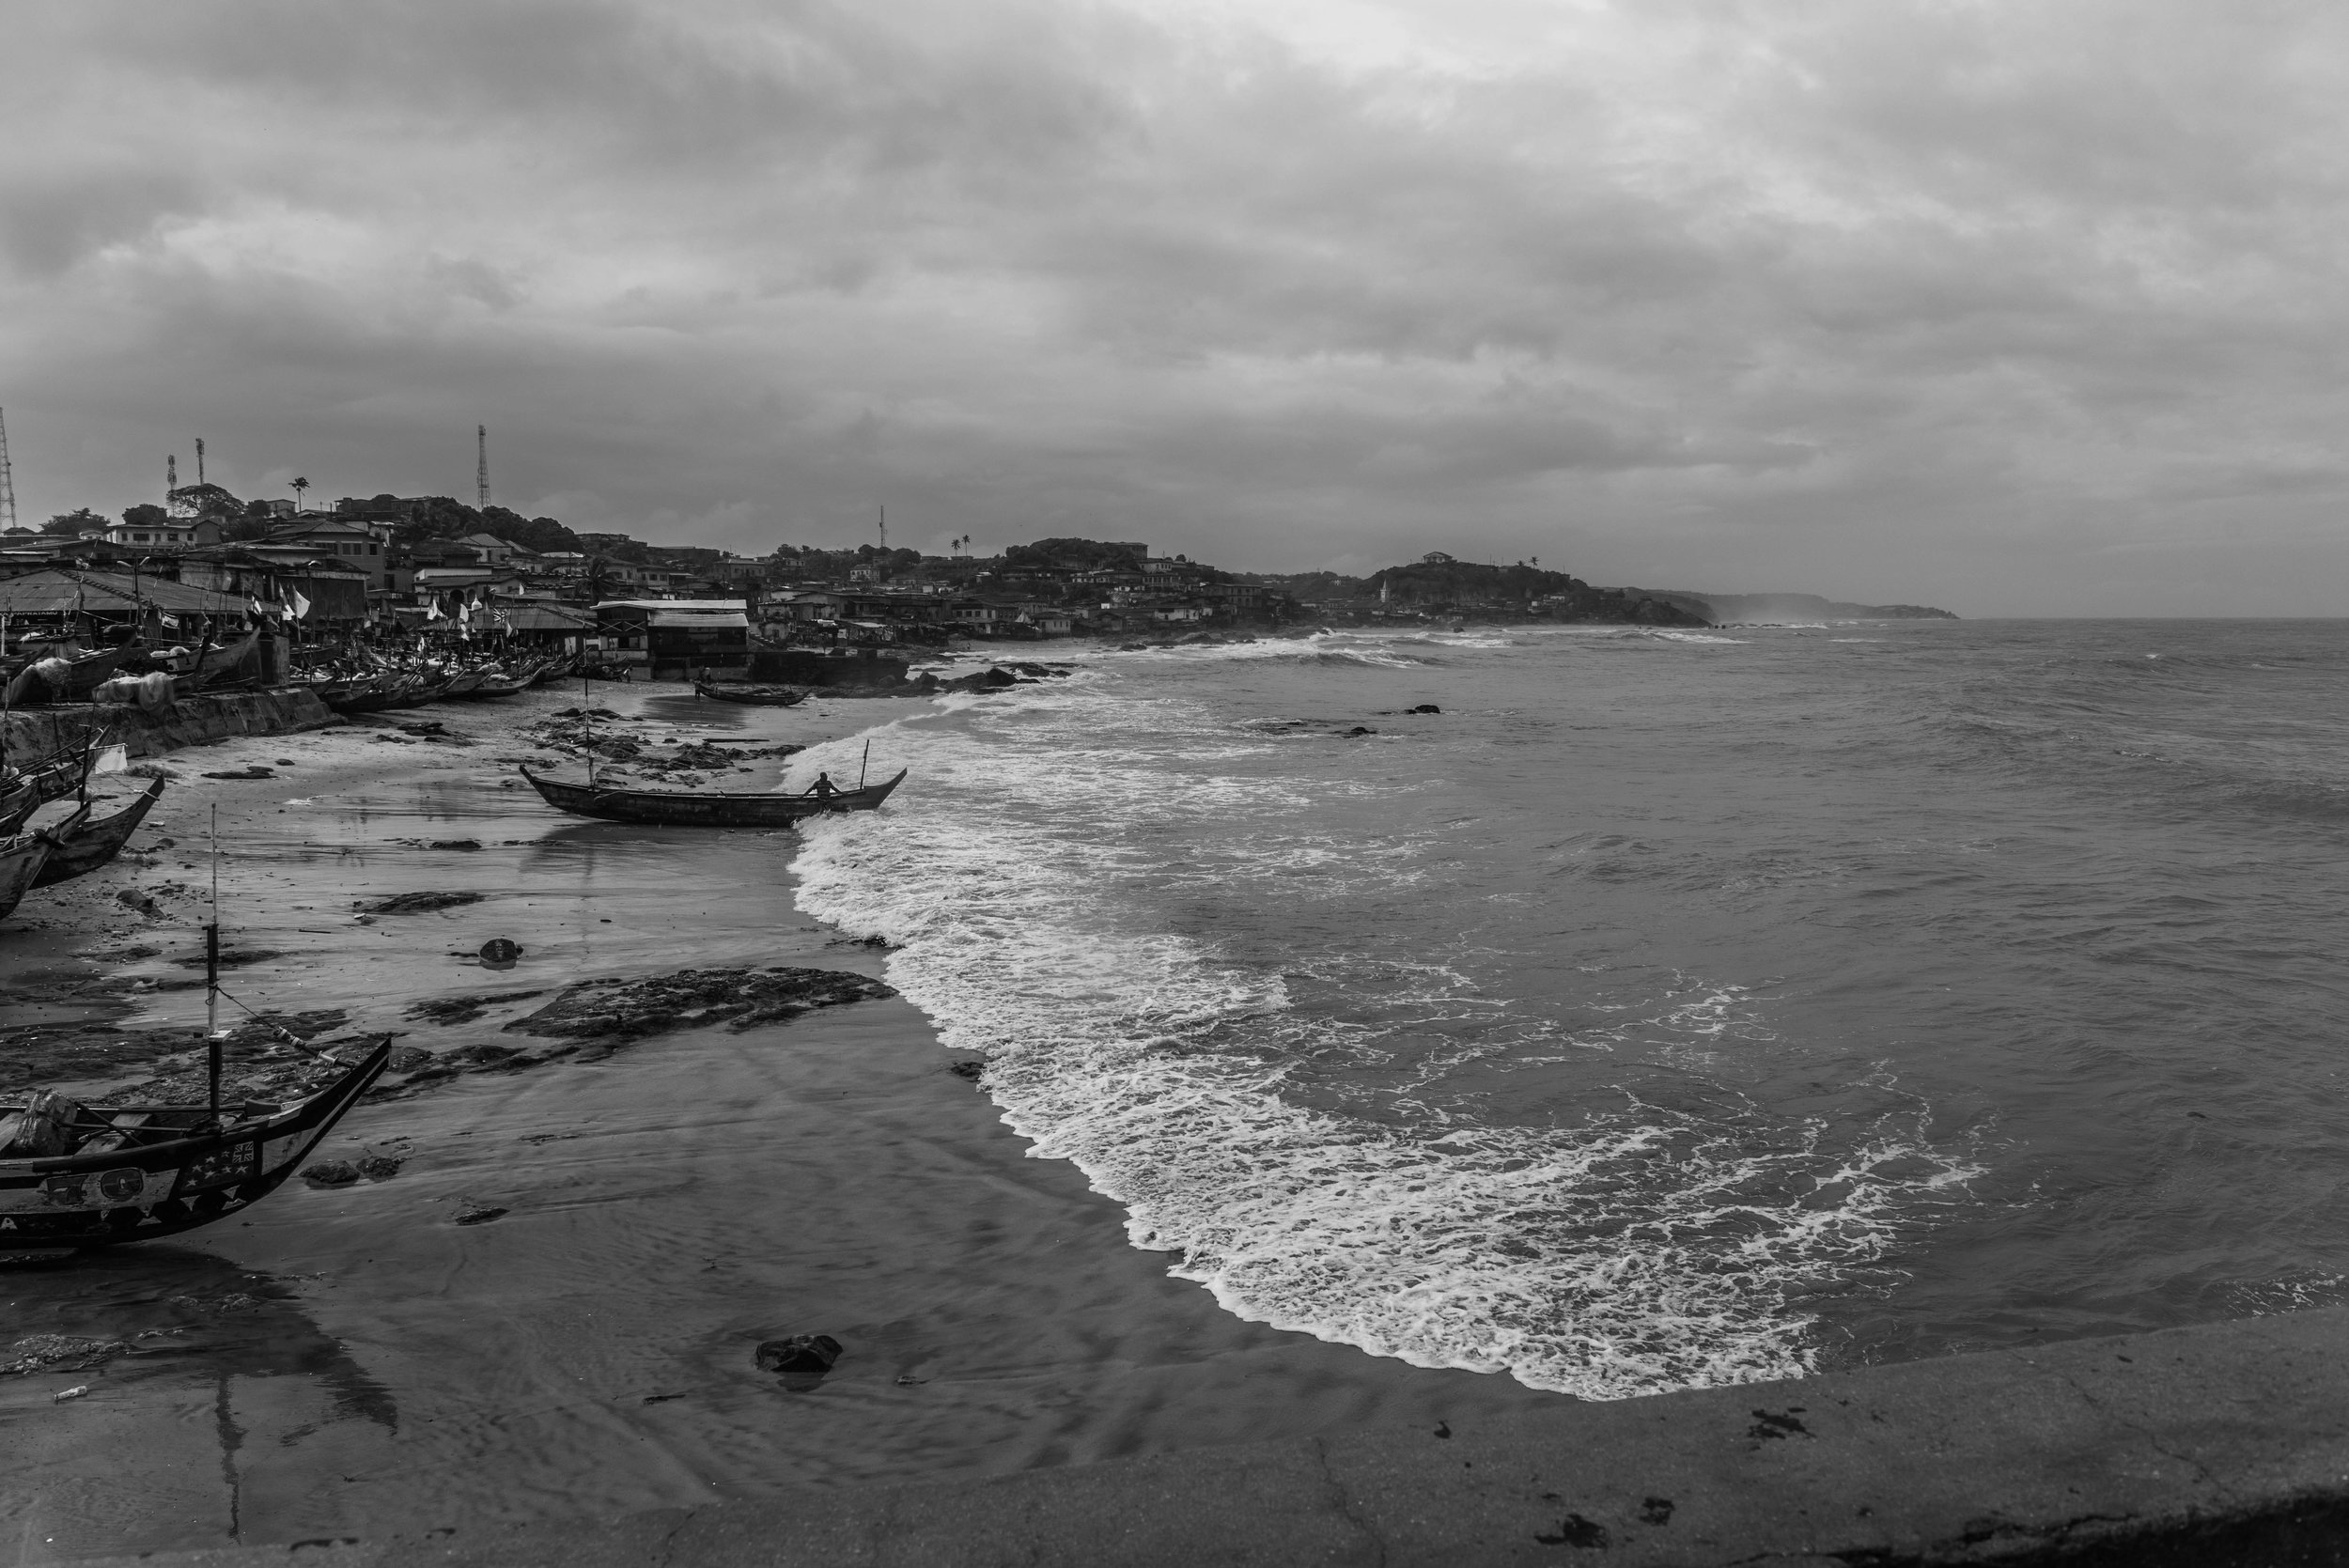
pixel 212 978
pixel 588 716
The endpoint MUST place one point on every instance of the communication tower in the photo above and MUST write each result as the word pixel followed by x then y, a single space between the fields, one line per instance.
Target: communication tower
pixel 171 474
pixel 199 459
pixel 884 527
pixel 8 480
pixel 481 468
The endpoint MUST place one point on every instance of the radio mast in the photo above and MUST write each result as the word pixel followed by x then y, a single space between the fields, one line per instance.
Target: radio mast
pixel 171 474
pixel 7 481
pixel 199 459
pixel 481 469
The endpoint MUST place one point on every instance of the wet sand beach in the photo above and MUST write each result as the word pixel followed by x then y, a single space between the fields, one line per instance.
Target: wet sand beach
pixel 352 1362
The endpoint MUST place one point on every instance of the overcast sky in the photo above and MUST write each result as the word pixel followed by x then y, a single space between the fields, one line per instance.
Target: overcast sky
pixel 2030 307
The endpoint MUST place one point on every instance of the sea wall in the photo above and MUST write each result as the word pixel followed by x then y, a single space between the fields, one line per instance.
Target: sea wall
pixel 149 732
pixel 2214 1446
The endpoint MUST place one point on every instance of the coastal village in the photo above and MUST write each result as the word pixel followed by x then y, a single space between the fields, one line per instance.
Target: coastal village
pixel 204 563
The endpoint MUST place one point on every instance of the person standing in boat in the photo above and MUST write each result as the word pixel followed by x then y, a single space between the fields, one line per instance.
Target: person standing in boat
pixel 823 788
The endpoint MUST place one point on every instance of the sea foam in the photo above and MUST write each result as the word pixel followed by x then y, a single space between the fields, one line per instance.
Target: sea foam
pixel 1638 1249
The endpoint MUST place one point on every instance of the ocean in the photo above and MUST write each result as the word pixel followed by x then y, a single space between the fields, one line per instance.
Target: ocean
pixel 1672 1008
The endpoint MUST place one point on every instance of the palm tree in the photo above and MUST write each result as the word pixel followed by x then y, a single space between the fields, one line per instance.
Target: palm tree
pixel 298 486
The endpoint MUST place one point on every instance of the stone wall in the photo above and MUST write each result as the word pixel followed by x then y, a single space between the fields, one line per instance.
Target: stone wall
pixel 36 732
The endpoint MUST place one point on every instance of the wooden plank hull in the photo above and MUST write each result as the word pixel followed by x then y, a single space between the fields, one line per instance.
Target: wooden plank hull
pixel 82 845
pixel 143 1190
pixel 678 809
pixel 751 696
pixel 20 859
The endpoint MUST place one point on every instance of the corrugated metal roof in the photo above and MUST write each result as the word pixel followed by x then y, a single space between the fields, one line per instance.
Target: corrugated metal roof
pixel 58 590
pixel 700 618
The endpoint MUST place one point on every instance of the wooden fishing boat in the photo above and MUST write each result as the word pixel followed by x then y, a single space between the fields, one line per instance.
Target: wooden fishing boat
pixel 228 662
pixel 135 1173
pixel 20 859
pixel 751 696
pixel 52 779
pixel 684 809
pixel 501 685
pixel 80 844
pixel 461 684
pixel 429 689
pixel 563 664
pixel 81 676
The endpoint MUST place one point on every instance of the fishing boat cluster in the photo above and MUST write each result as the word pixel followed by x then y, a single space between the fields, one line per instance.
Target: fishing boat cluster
pixel 73 1177
pixel 363 680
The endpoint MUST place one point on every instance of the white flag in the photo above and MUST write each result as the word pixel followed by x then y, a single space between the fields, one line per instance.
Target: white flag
pixel 433 610
pixel 301 606
pixel 113 759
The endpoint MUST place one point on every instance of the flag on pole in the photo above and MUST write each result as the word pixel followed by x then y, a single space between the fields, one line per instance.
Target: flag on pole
pixel 301 606
pixel 433 610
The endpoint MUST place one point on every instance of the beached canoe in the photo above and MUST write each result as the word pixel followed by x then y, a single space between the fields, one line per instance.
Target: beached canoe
pixel 131 1172
pixel 20 859
pixel 683 809
pixel 52 779
pixel 499 685
pixel 751 696
pixel 80 844
pixel 73 684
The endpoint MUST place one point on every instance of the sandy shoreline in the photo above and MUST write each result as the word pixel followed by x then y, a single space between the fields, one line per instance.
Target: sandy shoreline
pixel 351 1361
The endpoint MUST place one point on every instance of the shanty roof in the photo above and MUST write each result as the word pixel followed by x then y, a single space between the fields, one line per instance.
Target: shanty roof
pixel 701 618
pixel 677 606
pixel 58 591
pixel 544 617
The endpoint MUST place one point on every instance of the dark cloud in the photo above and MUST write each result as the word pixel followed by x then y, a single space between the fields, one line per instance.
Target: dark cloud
pixel 2024 308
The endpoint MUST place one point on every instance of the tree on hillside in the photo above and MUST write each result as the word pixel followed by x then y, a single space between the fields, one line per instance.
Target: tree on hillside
pixel 73 522
pixel 1075 555
pixel 146 515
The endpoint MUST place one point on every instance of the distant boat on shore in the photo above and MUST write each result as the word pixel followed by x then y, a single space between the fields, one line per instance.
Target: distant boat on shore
pixel 684 809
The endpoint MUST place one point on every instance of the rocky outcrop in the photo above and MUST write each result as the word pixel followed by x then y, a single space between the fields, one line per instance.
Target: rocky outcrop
pixel 152 731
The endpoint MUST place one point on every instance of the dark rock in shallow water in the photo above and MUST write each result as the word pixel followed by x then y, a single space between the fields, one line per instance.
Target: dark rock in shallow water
pixel 243 773
pixel 330 1173
pixel 1360 729
pixel 619 1010
pixel 808 1355
pixel 456 843
pixel 971 1070
pixel 381 1168
pixel 422 902
pixel 454 1010
pixel 1424 707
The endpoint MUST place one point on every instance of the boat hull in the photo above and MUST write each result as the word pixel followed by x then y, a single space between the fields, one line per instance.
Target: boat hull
pixel 82 846
pixel 20 859
pixel 751 696
pixel 141 1192
pixel 678 809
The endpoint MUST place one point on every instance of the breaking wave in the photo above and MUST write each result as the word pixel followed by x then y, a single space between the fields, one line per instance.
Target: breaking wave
pixel 1032 886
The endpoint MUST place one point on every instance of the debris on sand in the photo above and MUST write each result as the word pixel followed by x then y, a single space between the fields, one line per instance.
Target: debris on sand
pixel 478 1214
pixel 242 773
pixel 422 901
pixel 381 1168
pixel 619 1010
pixel 59 1353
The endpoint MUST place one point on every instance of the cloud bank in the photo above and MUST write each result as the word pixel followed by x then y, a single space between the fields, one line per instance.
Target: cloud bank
pixel 2018 308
